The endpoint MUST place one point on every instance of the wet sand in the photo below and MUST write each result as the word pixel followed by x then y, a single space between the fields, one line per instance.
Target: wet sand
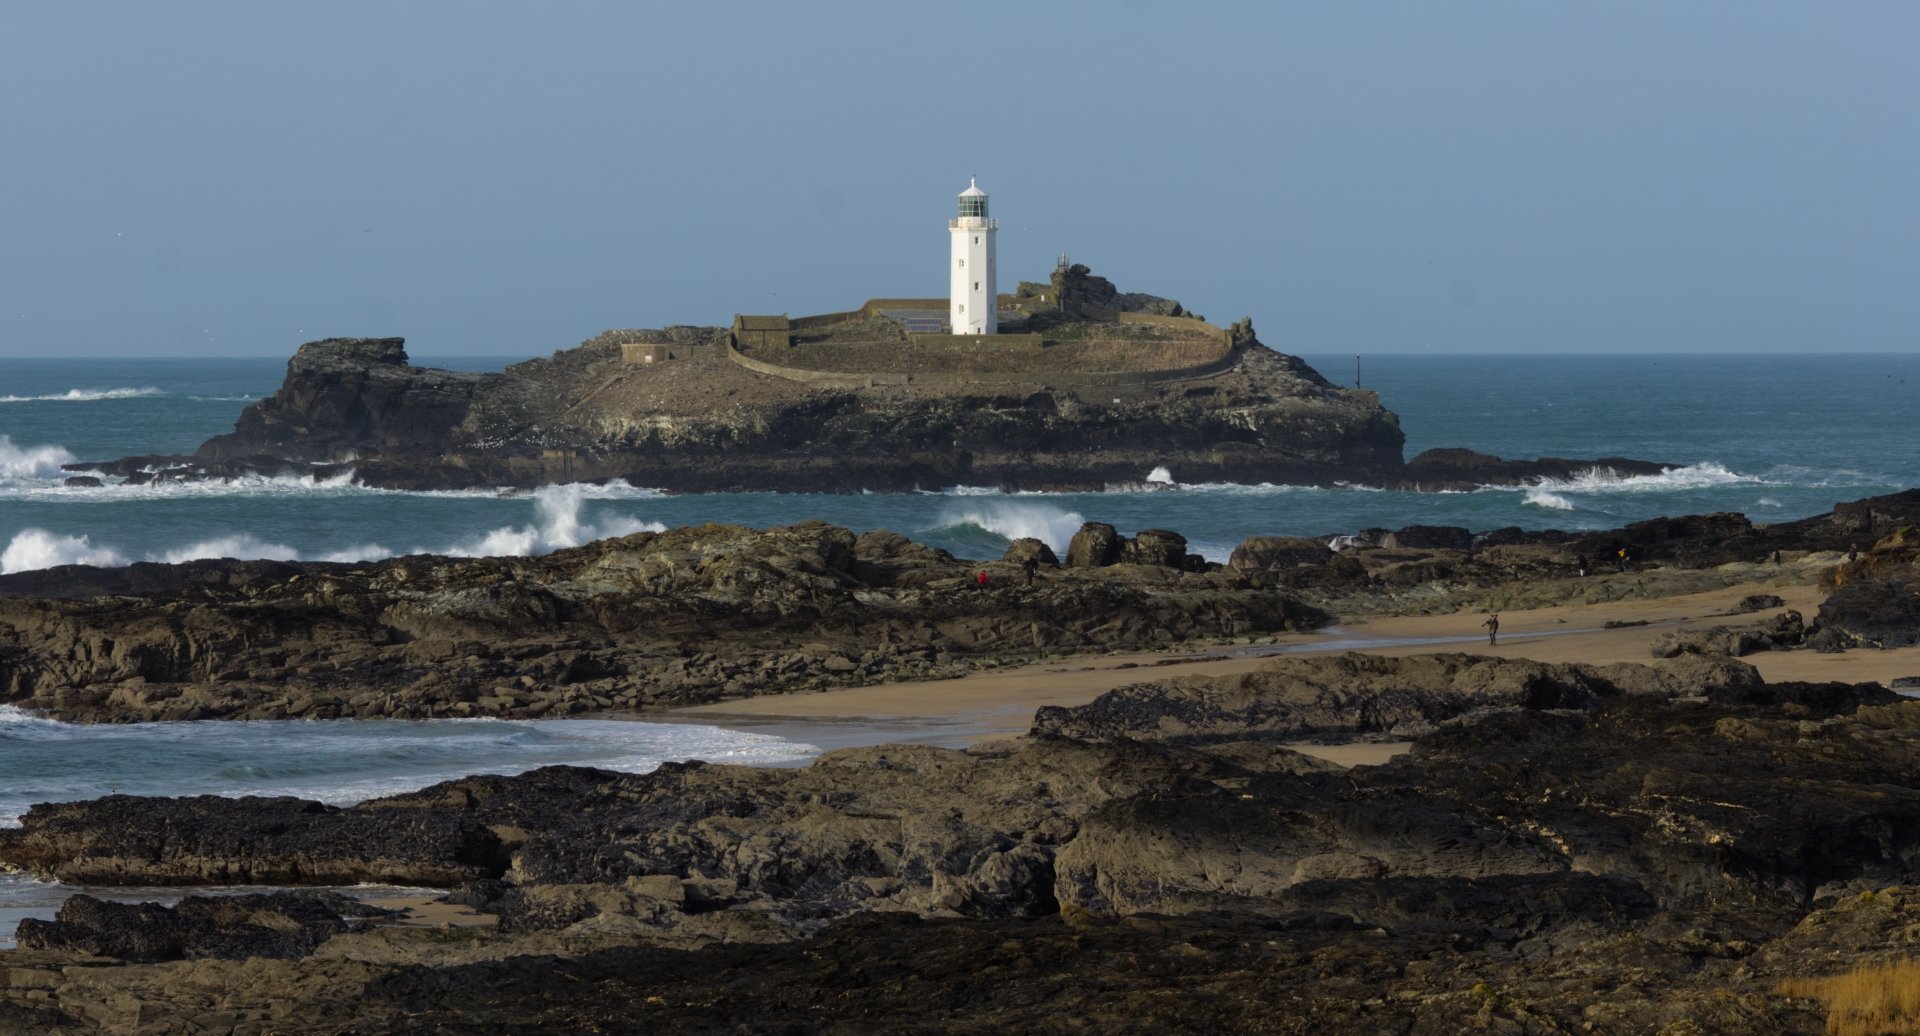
pixel 426 912
pixel 1000 703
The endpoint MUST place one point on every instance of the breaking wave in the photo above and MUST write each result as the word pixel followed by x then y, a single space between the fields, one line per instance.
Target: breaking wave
pixel 1012 520
pixel 1693 476
pixel 85 395
pixel 557 524
pixel 34 549
pixel 1551 501
pixel 31 461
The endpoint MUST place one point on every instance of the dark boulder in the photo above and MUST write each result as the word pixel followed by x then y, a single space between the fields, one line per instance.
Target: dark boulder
pixel 1025 548
pixel 1156 547
pixel 1096 545
pixel 1278 553
pixel 1429 537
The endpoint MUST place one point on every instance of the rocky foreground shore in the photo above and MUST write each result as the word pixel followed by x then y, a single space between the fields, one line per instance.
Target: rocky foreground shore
pixel 1566 848
pixel 1638 848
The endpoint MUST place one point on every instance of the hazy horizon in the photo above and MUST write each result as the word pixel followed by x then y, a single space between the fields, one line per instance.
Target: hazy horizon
pixel 230 179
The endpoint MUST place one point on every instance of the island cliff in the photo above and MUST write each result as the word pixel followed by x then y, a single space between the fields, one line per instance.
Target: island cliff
pixel 1076 394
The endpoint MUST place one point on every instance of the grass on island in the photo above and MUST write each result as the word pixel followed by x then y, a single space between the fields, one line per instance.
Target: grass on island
pixel 1870 1001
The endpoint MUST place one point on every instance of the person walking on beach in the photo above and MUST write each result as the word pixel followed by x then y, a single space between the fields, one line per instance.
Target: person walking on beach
pixel 1493 628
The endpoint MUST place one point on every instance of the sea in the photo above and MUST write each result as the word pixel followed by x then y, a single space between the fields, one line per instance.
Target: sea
pixel 1776 437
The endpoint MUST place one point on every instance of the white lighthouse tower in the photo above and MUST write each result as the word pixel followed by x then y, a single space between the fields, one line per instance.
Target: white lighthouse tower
pixel 973 304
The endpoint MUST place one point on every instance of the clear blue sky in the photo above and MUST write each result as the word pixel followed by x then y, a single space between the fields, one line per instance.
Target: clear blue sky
pixel 239 177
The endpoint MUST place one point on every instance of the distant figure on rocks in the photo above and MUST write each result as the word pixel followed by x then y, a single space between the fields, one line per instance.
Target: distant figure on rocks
pixel 1776 557
pixel 1493 628
pixel 1582 558
pixel 1620 560
pixel 1028 568
pixel 1853 553
pixel 982 580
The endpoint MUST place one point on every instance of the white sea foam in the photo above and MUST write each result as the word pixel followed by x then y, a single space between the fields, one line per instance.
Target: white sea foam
pixel 33 549
pixel 1551 501
pixel 15 716
pixel 1018 519
pixel 84 395
pixel 31 461
pixel 557 524
pixel 1703 475
pixel 1160 476
pixel 1245 489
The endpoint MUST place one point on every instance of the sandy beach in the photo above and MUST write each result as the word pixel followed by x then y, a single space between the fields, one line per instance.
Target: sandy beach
pixel 1000 702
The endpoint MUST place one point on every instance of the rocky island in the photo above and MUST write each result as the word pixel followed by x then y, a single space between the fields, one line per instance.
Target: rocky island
pixel 1082 388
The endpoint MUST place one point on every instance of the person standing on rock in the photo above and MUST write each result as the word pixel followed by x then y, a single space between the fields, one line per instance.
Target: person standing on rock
pixel 1028 568
pixel 1493 628
pixel 982 580
pixel 1582 558
pixel 1620 560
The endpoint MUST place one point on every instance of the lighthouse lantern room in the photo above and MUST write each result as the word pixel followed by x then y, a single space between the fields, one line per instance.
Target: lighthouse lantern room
pixel 972 306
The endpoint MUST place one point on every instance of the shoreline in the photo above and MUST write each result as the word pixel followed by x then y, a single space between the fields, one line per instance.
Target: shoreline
pixel 999 703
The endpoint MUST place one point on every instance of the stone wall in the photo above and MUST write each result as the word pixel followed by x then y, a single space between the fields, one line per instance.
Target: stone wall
pixel 980 379
pixel 976 343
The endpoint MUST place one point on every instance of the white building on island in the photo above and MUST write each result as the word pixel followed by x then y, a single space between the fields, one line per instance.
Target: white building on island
pixel 973 303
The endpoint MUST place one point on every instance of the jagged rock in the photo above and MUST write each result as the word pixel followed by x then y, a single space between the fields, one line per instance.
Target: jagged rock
pixel 1758 603
pixel 1782 631
pixel 650 619
pixel 1882 613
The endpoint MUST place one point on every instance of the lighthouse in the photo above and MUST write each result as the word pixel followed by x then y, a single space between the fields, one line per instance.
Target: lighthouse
pixel 973 304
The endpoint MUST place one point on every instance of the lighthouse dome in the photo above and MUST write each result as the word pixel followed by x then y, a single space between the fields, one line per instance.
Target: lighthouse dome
pixel 973 201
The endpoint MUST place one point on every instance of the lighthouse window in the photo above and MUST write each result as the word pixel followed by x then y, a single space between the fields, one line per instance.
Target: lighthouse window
pixel 963 263
pixel 976 240
pixel 976 285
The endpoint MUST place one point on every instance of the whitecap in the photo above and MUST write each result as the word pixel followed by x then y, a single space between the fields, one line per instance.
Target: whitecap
pixel 1703 475
pixel 34 549
pixel 84 395
pixel 1160 476
pixel 1551 501
pixel 1016 519
pixel 557 524
pixel 31 461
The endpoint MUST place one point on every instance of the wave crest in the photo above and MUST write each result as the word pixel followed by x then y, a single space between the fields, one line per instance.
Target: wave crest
pixel 1551 501
pixel 34 549
pixel 85 395
pixel 1013 520
pixel 1692 476
pixel 31 461
pixel 557 525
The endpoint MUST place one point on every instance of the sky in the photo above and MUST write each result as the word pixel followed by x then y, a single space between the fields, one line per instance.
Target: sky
pixel 234 178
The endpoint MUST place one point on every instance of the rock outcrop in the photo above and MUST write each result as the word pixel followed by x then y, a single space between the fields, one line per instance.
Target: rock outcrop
pixel 651 619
